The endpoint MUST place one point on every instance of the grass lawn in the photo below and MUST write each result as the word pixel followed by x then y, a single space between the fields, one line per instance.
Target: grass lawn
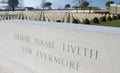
pixel 113 23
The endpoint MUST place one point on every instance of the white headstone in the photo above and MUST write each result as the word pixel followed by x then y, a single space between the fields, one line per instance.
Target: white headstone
pixel 42 47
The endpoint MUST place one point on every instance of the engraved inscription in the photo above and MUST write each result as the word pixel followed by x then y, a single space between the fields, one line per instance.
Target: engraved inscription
pixel 21 37
pixel 44 43
pixel 27 50
pixel 66 48
pixel 86 52
pixel 52 58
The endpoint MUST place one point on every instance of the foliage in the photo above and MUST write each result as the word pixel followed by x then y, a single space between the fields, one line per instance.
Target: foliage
pixel 4 2
pixel 13 3
pixel 118 16
pixel 113 23
pixel 103 19
pixel 114 17
pixel 67 6
pixel 85 4
pixel 7 17
pixel 108 3
pixel 58 21
pixel 109 18
pixel 86 21
pixel 48 4
pixel 95 20
pixel 75 21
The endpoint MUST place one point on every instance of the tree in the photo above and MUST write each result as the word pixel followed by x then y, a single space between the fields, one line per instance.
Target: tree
pixel 67 6
pixel 5 3
pixel 48 4
pixel 82 3
pixel 13 3
pixel 85 4
pixel 108 3
pixel 78 5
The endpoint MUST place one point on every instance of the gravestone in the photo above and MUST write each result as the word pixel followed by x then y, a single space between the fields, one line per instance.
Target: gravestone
pixel 47 47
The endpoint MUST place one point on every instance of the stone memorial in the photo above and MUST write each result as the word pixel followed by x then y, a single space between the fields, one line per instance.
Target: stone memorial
pixel 48 47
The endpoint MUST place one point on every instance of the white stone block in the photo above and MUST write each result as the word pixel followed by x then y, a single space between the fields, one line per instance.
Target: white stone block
pixel 43 47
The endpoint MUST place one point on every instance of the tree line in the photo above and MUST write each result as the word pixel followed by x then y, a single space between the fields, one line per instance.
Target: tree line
pixel 82 4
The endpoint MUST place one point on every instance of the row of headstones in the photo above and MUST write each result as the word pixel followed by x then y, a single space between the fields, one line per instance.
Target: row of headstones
pixel 40 16
pixel 66 17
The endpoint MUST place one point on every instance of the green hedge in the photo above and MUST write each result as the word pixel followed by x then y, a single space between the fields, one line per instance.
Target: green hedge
pixel 95 20
pixel 114 17
pixel 109 18
pixel 103 19
pixel 86 21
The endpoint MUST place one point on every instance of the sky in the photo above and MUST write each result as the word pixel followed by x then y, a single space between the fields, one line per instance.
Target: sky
pixel 61 3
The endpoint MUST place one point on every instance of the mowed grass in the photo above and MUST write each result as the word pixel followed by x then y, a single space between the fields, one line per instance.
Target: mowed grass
pixel 113 23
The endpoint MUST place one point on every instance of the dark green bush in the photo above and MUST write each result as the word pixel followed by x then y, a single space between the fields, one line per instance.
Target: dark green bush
pixel 95 20
pixel 114 17
pixel 103 19
pixel 75 21
pixel 86 21
pixel 58 21
pixel 7 17
pixel 109 18
pixel 118 16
